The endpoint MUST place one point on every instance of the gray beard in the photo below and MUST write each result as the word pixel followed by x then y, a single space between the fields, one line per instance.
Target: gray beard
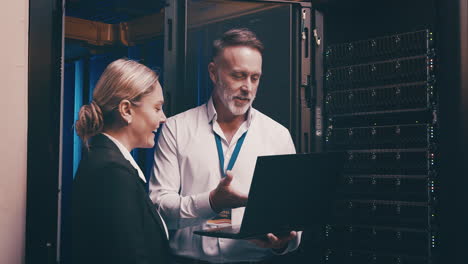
pixel 228 102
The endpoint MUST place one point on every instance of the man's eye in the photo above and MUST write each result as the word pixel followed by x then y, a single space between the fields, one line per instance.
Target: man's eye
pixel 238 76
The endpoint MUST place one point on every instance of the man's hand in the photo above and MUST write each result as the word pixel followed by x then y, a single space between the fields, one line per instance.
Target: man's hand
pixel 278 243
pixel 224 196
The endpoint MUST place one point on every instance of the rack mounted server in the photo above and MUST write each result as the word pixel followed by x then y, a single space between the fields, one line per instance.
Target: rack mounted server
pixel 381 108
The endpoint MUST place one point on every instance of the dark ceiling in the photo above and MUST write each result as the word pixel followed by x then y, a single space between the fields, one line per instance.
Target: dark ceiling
pixel 112 11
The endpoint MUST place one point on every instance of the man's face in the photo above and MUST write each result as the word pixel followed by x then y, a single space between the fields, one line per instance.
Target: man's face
pixel 236 74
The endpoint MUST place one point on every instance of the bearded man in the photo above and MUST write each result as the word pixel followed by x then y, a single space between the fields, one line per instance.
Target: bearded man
pixel 206 157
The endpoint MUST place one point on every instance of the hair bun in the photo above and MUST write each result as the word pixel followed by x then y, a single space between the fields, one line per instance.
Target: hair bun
pixel 90 121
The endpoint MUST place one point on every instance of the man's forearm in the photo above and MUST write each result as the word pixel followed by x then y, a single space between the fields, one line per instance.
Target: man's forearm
pixel 180 212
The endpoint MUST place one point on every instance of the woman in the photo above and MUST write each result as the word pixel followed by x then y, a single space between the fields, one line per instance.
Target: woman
pixel 113 219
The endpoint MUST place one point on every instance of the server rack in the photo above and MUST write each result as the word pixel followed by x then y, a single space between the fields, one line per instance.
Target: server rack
pixel 377 100
pixel 381 108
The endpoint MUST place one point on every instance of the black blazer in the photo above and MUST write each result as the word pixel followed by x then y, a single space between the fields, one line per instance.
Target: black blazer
pixel 113 219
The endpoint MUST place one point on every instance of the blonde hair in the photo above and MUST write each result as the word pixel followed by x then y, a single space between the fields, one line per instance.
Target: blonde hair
pixel 122 79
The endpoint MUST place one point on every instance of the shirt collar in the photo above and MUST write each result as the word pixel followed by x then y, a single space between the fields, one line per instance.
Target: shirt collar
pixel 213 115
pixel 127 155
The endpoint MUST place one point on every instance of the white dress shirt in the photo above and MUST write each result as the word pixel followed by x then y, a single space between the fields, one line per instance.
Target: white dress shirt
pixel 132 161
pixel 187 169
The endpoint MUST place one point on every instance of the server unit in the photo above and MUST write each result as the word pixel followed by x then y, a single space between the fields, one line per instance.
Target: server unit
pixel 381 108
pixel 378 102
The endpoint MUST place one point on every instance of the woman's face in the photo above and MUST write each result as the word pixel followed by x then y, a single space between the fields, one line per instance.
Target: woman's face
pixel 147 117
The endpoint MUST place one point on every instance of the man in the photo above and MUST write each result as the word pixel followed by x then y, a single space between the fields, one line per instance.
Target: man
pixel 206 157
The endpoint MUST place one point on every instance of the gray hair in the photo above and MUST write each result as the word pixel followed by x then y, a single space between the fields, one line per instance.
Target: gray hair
pixel 237 37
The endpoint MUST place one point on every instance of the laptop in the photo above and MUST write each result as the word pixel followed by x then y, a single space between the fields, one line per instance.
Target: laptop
pixel 288 192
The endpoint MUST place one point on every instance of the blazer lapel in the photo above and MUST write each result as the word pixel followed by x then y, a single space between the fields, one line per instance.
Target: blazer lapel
pixel 101 141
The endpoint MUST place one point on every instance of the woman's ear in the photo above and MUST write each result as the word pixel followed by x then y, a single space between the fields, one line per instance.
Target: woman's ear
pixel 125 111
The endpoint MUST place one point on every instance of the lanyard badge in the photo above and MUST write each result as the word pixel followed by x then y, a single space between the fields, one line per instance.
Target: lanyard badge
pixel 224 217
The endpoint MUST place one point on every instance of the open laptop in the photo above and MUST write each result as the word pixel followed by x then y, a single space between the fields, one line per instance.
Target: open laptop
pixel 288 192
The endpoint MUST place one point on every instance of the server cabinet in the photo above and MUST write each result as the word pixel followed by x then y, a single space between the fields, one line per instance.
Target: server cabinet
pixel 284 89
pixel 383 99
pixel 44 103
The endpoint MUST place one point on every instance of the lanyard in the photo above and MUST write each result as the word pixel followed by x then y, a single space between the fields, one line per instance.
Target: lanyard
pixel 234 154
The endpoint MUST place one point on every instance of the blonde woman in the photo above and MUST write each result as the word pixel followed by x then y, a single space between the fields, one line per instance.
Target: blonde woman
pixel 113 220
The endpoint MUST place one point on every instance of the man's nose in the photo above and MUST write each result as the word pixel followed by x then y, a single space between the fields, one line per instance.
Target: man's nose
pixel 247 86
